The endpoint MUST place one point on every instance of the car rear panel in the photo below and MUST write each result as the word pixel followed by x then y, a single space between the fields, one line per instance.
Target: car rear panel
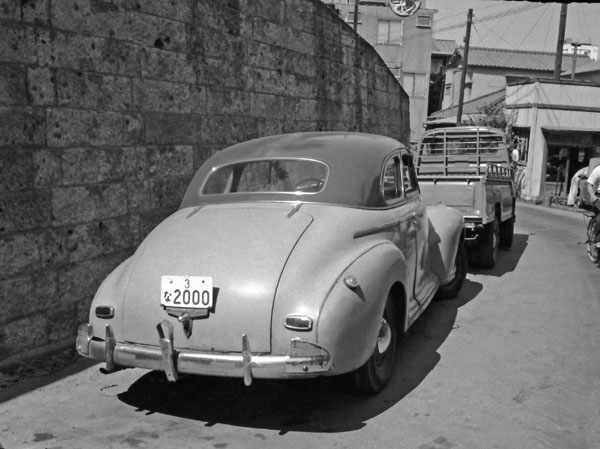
pixel 244 249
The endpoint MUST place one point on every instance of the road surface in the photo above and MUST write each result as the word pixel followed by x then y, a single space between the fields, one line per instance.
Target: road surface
pixel 513 362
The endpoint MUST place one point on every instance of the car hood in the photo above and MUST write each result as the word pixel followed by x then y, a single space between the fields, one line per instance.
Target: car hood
pixel 243 248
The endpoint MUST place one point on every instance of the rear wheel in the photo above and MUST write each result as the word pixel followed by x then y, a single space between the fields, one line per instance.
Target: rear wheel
pixel 375 374
pixel 452 288
pixel 489 244
pixel 592 251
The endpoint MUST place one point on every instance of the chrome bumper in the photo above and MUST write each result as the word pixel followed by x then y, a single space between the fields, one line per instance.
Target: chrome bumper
pixel 305 359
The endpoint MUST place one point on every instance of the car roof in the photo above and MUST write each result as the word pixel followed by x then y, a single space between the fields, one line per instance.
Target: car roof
pixel 355 163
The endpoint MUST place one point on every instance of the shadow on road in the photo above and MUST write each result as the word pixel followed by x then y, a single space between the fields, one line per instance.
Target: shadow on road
pixel 508 259
pixel 311 405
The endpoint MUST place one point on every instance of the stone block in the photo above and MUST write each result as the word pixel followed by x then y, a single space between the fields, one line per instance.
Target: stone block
pixel 18 44
pixel 62 323
pixel 227 102
pixel 41 85
pixel 20 335
pixel 302 42
pixel 36 11
pixel 266 106
pixel 162 96
pixel 231 75
pixel 72 205
pixel 77 282
pixel 109 20
pixel 266 56
pixel 46 168
pixel 91 91
pixel 16 169
pixel 300 109
pixel 139 196
pixel 225 17
pixel 81 52
pixel 54 250
pixel 164 128
pixel 202 152
pixel 167 65
pixel 90 240
pixel 167 193
pixel 10 9
pixel 94 165
pixel 272 10
pixel 180 10
pixel 26 210
pixel 128 58
pixel 268 81
pixel 19 253
pixel 12 85
pixel 22 126
pixel 71 127
pixel 28 294
pixel 170 161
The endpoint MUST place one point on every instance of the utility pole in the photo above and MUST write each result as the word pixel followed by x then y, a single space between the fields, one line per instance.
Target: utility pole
pixel 561 41
pixel 574 65
pixel 463 75
pixel 356 3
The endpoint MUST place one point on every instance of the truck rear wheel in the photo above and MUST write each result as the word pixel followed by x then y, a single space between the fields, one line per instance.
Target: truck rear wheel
pixel 488 249
pixel 507 230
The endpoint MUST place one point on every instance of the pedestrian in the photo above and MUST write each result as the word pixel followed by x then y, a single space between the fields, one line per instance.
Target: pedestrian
pixel 575 185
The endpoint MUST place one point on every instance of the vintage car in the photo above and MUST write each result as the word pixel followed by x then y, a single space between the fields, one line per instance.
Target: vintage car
pixel 291 256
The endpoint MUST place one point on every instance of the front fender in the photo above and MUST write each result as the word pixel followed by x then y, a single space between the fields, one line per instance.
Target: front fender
pixel 350 319
pixel 445 234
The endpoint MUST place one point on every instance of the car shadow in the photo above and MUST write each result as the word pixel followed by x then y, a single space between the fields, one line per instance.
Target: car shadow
pixel 508 259
pixel 328 404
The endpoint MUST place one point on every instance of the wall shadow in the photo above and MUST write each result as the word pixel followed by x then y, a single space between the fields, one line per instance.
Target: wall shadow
pixel 508 259
pixel 311 405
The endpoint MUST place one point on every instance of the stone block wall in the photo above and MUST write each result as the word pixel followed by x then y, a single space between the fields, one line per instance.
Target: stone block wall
pixel 108 107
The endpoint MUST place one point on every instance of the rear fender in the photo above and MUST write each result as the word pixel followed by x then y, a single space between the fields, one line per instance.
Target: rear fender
pixel 351 316
pixel 445 234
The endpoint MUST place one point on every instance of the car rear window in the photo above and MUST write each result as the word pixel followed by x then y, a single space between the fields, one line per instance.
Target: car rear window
pixel 296 176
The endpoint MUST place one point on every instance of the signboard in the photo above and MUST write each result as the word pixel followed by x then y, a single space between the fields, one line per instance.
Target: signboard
pixel 405 8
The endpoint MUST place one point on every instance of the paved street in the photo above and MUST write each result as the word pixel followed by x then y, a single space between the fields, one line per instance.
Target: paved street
pixel 514 362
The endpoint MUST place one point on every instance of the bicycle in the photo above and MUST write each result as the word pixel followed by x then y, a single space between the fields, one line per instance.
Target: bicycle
pixel 592 251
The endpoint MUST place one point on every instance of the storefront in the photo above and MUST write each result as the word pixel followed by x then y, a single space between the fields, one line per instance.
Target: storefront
pixel 558 124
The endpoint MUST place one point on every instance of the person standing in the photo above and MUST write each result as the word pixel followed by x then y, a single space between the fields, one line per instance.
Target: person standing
pixel 575 185
pixel 592 201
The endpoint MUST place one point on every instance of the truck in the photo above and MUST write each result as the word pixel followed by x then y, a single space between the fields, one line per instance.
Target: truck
pixel 469 168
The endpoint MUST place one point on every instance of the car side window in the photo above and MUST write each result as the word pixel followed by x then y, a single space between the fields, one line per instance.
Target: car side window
pixel 391 186
pixel 409 178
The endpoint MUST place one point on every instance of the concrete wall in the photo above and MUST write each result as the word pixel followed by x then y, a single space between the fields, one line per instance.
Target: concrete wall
pixel 108 107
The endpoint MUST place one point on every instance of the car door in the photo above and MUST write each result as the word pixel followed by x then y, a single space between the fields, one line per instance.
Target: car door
pixel 424 282
pixel 402 215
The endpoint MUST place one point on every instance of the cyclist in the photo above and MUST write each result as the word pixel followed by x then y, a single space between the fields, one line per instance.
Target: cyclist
pixel 592 201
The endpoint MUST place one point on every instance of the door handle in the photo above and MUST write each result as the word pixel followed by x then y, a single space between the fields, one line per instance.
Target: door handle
pixel 417 215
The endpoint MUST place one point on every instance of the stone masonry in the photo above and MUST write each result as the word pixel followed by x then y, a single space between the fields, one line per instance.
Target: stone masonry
pixel 108 107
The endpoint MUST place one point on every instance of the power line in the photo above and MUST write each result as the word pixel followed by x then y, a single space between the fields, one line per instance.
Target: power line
pixel 492 17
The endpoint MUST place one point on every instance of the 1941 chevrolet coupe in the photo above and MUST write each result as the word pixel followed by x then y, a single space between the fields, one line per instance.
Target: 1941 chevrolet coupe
pixel 291 256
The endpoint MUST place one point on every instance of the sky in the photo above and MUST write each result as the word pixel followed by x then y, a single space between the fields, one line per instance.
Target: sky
pixel 514 24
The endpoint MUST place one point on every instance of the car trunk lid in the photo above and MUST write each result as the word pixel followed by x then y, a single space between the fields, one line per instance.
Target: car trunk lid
pixel 243 248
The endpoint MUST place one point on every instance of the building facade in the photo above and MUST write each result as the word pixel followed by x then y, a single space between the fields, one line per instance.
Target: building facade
pixel 404 43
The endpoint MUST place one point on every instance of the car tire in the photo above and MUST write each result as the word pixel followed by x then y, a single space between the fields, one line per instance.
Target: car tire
pixel 375 374
pixel 489 244
pixel 507 231
pixel 452 288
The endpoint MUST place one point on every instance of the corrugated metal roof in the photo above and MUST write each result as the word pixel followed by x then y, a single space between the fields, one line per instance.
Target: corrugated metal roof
pixel 473 106
pixel 515 59
pixel 444 46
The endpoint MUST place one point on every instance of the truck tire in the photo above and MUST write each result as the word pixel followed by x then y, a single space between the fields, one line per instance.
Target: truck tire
pixel 488 249
pixel 452 288
pixel 507 230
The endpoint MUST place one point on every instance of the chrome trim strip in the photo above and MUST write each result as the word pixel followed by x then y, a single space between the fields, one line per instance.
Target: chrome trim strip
pixel 246 360
pixel 376 229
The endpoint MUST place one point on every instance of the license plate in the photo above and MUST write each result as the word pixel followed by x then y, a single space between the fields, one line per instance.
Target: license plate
pixel 193 292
